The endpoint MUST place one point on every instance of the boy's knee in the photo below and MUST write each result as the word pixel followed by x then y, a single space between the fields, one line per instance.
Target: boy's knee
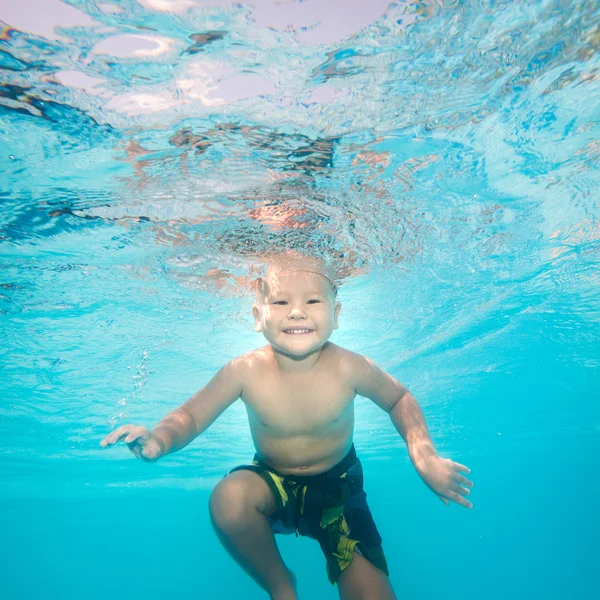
pixel 233 501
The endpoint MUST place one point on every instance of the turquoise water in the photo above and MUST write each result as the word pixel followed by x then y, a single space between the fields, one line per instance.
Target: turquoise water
pixel 444 156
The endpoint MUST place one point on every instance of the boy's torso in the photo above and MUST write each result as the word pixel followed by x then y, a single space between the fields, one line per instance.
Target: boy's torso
pixel 301 423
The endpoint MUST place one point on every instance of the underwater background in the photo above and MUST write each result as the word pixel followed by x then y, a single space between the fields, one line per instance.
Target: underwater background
pixel 443 155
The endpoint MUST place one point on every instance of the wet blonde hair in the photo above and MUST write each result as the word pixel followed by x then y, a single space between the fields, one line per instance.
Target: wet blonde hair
pixel 294 261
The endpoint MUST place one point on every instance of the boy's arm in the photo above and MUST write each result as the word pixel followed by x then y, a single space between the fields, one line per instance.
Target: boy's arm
pixel 440 474
pixel 390 395
pixel 193 417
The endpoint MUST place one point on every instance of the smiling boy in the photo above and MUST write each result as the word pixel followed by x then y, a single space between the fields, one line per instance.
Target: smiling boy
pixel 305 478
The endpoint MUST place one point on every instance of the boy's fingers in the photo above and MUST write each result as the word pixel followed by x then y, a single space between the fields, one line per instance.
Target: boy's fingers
pixel 459 499
pixel 462 480
pixel 444 500
pixel 135 434
pixel 116 435
pixel 135 450
pixel 460 467
pixel 460 490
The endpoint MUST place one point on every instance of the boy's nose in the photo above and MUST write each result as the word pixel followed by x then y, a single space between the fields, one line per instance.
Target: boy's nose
pixel 297 313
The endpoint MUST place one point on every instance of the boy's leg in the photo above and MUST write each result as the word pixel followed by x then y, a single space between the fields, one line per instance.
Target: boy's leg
pixel 239 508
pixel 363 581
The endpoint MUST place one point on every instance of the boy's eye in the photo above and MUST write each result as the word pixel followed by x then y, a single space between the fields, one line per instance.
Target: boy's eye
pixel 314 301
pixel 280 302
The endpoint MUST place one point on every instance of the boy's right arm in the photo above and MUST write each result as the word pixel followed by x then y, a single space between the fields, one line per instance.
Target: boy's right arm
pixel 185 423
pixel 196 415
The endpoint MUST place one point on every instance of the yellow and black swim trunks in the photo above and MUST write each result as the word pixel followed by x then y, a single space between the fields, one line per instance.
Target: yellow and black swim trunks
pixel 330 507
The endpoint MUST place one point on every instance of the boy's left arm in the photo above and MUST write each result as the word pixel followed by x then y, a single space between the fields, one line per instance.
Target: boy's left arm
pixel 441 475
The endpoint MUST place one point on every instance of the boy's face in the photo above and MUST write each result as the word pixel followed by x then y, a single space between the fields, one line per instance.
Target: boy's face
pixel 296 311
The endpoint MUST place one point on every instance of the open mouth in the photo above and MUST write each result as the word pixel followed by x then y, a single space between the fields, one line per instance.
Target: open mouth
pixel 298 331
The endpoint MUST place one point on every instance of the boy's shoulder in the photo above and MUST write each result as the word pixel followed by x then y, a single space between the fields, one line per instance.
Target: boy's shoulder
pixel 348 360
pixel 250 361
pixel 258 354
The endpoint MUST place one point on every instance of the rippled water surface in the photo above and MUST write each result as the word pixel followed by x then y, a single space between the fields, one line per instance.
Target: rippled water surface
pixel 442 156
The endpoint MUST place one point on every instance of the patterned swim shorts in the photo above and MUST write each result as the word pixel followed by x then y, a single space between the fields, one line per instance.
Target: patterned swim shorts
pixel 330 507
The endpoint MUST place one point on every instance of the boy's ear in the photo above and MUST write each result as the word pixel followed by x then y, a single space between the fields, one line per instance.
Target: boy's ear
pixel 257 320
pixel 338 307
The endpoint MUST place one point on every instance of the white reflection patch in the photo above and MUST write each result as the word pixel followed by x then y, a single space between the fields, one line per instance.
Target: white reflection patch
pixel 139 104
pixel 77 79
pixel 134 46
pixel 41 18
pixel 175 6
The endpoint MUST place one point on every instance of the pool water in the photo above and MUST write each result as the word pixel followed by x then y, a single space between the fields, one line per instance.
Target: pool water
pixel 443 156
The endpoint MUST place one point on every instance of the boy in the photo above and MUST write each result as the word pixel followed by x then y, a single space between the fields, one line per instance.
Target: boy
pixel 305 478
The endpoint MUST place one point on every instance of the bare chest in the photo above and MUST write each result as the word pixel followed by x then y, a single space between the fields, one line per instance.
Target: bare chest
pixel 298 405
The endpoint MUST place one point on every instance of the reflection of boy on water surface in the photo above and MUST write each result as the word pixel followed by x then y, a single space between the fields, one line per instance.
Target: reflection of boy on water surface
pixel 299 393
pixel 289 156
pixel 288 152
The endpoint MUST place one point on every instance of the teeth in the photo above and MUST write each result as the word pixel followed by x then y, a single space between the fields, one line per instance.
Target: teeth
pixel 297 331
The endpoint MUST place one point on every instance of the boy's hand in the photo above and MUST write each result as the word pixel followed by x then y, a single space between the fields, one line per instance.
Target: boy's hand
pixel 442 476
pixel 139 439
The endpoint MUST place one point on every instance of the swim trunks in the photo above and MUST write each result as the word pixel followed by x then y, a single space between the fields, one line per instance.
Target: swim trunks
pixel 330 507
